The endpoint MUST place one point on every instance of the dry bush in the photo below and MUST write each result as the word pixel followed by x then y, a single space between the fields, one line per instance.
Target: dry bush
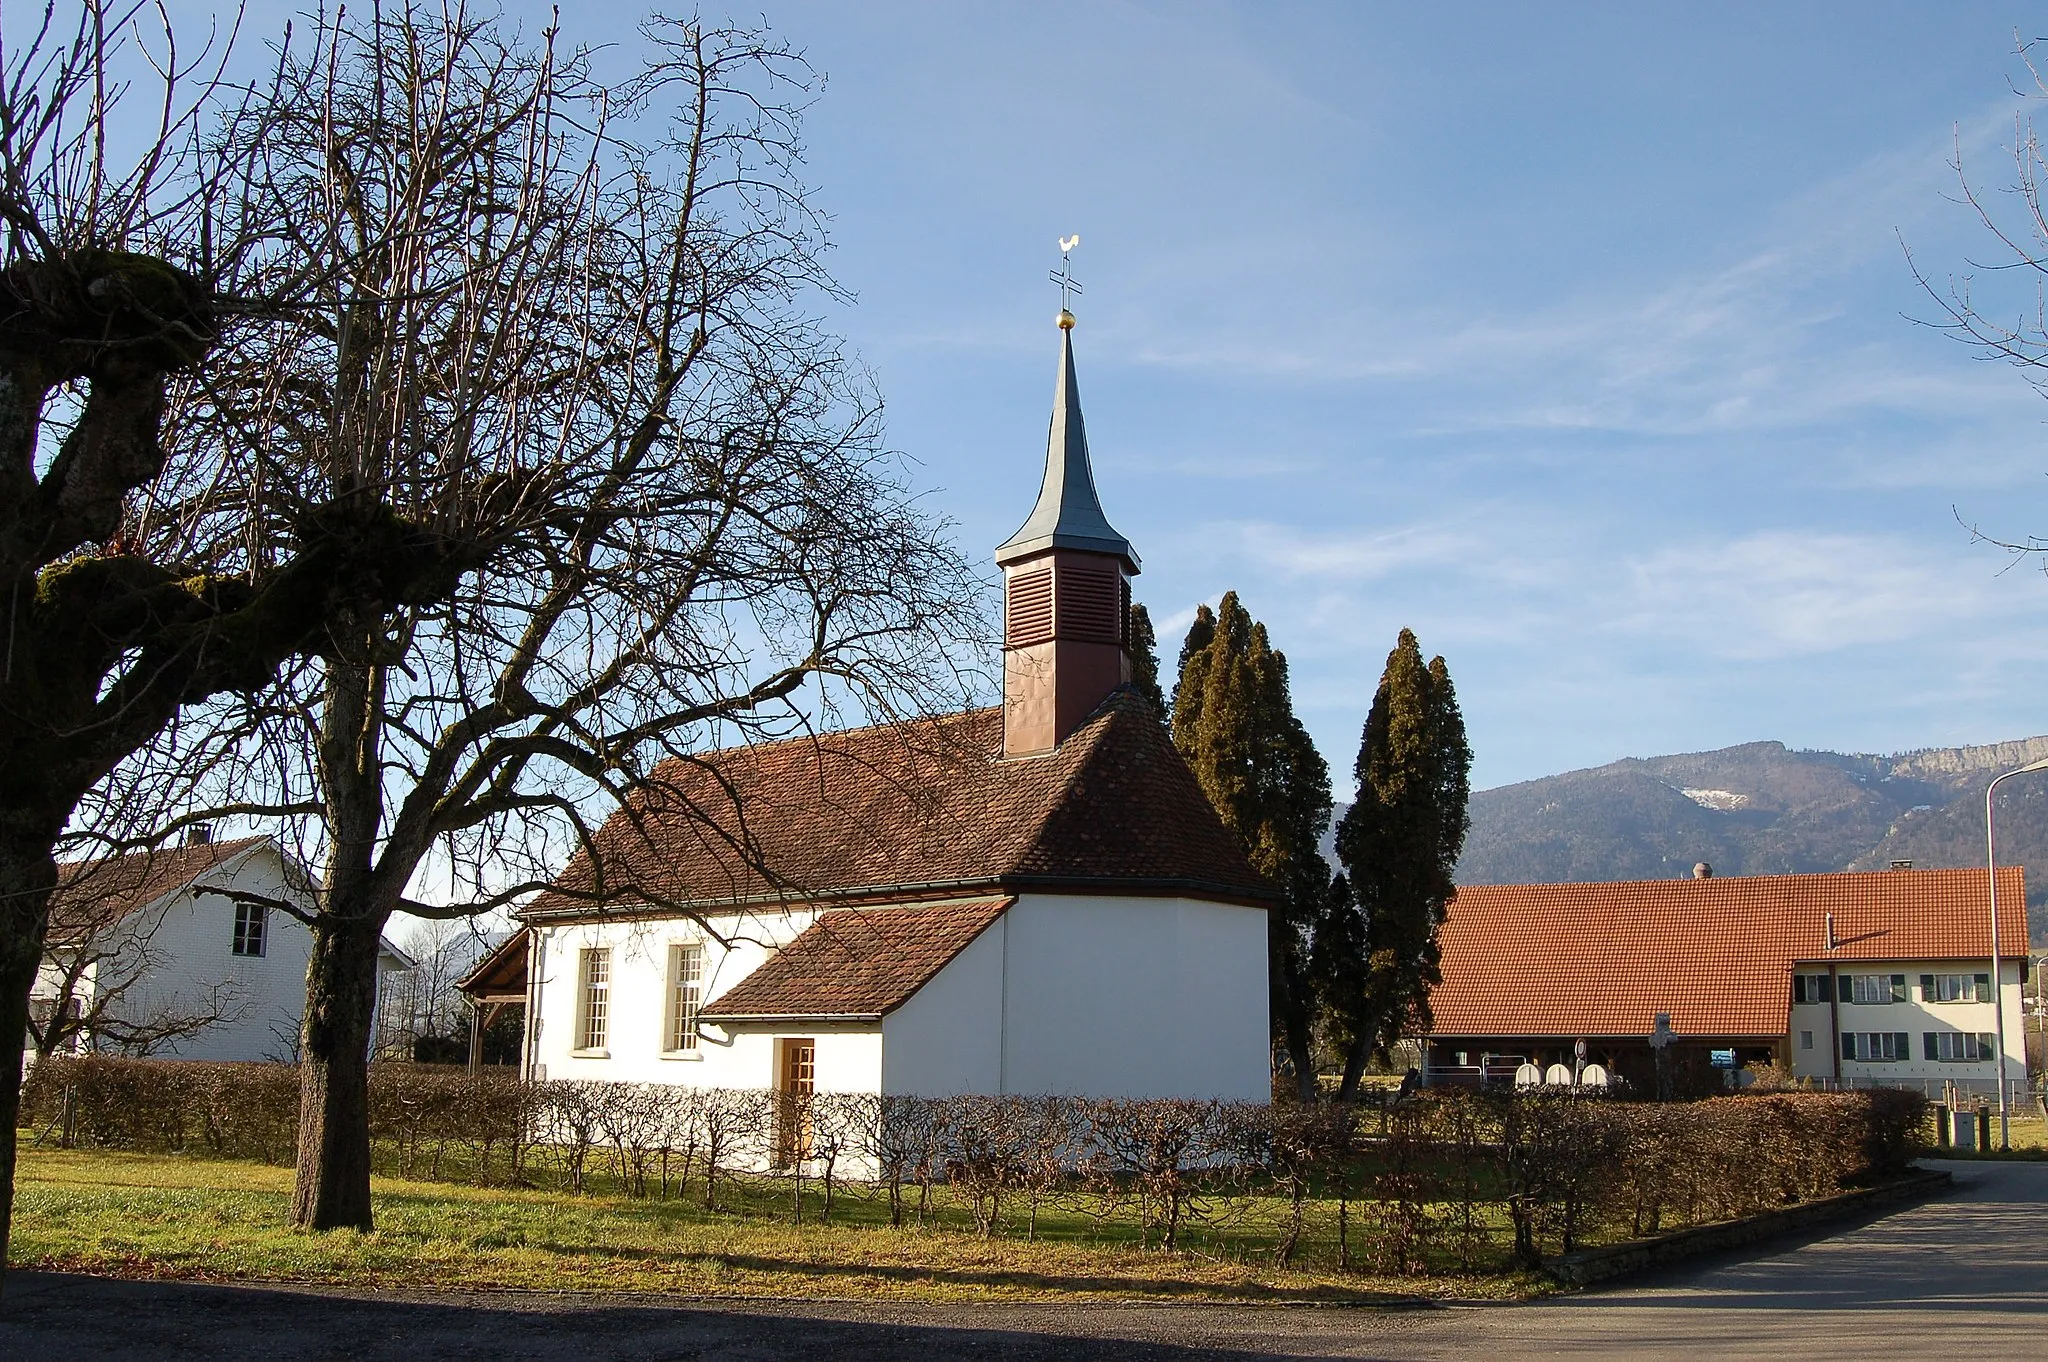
pixel 1435 1167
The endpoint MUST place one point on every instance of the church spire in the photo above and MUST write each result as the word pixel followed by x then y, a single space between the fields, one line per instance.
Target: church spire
pixel 1066 582
pixel 1069 513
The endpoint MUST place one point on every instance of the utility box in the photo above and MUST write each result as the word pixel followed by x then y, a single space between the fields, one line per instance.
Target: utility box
pixel 1966 1129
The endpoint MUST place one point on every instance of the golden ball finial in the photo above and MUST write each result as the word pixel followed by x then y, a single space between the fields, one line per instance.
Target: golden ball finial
pixel 1066 320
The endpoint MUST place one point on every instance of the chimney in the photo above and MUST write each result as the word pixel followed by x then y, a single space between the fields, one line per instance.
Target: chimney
pixel 199 834
pixel 1066 589
pixel 1703 871
pixel 1828 924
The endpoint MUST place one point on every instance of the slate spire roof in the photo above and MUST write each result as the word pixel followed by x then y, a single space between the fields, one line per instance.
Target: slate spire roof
pixel 914 810
pixel 1068 514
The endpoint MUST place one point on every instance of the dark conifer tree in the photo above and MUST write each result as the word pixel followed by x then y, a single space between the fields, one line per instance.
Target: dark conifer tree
pixel 1192 650
pixel 1376 945
pixel 1233 719
pixel 1144 650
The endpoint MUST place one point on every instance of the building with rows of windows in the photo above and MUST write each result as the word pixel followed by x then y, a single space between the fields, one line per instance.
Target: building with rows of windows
pixel 1032 898
pixel 1847 980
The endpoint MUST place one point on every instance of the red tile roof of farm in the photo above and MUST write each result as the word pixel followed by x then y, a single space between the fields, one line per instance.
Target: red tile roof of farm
pixel 100 892
pixel 1604 959
pixel 857 963
pixel 915 808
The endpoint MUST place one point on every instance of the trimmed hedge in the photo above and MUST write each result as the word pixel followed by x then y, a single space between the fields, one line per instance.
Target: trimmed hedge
pixel 1451 1176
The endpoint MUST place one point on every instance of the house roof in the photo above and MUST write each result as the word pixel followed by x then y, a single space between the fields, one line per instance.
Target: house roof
pixel 918 808
pixel 1604 959
pixel 94 894
pixel 857 964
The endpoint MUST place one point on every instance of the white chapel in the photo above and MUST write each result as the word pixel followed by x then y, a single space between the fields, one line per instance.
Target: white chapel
pixel 1029 899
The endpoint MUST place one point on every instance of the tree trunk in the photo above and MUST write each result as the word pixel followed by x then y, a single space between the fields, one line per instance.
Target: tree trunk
pixel 1355 1055
pixel 333 1190
pixel 1290 1006
pixel 27 874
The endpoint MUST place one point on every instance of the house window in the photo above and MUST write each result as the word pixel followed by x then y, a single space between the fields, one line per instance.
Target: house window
pixel 1811 988
pixel 594 1025
pixel 250 919
pixel 1876 1046
pixel 1806 1040
pixel 1959 1046
pixel 685 996
pixel 1955 988
pixel 1874 988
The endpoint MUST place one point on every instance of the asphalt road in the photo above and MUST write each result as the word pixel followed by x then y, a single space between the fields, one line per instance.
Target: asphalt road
pixel 1965 1275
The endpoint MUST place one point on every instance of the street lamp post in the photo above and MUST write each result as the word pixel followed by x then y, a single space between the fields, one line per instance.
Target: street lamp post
pixel 1997 982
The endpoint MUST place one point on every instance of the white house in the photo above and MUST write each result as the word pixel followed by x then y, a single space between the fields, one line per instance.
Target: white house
pixel 1032 898
pixel 155 955
pixel 1847 980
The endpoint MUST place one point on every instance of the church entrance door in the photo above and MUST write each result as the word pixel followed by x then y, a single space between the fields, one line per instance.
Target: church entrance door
pixel 796 1080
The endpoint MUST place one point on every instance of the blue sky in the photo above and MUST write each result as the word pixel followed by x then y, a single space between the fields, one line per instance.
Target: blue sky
pixel 1574 338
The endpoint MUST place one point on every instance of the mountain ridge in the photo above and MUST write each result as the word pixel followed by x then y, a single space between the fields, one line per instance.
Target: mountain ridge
pixel 1763 808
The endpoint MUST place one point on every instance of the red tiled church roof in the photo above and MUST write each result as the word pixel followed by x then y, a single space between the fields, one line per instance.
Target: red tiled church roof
pixel 915 808
pixel 857 964
pixel 1604 959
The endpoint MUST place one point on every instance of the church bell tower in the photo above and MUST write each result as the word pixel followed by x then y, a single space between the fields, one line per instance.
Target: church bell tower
pixel 1066 587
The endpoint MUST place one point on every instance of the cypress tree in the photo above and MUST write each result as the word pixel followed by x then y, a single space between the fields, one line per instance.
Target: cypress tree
pixel 1193 653
pixel 1233 719
pixel 1144 650
pixel 1376 950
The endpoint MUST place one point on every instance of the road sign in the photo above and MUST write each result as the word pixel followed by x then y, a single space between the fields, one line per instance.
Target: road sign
pixel 1721 1059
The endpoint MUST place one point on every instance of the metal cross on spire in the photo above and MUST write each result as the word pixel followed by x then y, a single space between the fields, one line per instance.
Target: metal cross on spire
pixel 1063 276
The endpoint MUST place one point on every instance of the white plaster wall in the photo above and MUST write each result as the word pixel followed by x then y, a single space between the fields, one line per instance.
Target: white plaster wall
pixel 1135 997
pixel 849 1058
pixel 1915 1018
pixel 193 935
pixel 949 1037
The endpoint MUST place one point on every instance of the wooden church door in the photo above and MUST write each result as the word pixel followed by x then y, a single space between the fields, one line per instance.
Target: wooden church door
pixel 796 1080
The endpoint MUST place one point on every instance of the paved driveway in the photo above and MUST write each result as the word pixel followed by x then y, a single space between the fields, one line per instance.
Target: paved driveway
pixel 1966 1275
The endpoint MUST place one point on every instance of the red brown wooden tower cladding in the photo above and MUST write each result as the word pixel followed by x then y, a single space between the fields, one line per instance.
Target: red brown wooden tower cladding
pixel 1066 590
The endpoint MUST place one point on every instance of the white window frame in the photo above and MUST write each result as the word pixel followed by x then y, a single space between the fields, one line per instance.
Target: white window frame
pixel 593 1000
pixel 251 937
pixel 1868 1047
pixel 1893 987
pixel 1983 1046
pixel 685 999
pixel 1956 988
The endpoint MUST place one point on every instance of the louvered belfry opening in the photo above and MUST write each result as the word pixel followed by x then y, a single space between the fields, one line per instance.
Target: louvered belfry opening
pixel 1066 590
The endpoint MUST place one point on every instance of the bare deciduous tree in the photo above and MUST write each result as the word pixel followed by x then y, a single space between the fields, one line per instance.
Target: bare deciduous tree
pixel 140 573
pixel 586 301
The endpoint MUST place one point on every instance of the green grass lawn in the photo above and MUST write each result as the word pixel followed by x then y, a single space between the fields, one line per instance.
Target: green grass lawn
pixel 161 1215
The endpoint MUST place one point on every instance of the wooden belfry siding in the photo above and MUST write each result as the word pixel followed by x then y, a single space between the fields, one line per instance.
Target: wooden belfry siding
pixel 1089 601
pixel 1030 609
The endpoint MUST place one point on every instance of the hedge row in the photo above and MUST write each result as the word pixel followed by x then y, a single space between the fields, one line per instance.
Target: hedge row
pixel 1449 1176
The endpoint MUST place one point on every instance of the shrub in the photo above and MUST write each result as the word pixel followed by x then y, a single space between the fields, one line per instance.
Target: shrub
pixel 1441 1169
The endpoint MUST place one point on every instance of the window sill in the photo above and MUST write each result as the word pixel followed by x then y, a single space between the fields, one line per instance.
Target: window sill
pixel 590 1054
pixel 693 1056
